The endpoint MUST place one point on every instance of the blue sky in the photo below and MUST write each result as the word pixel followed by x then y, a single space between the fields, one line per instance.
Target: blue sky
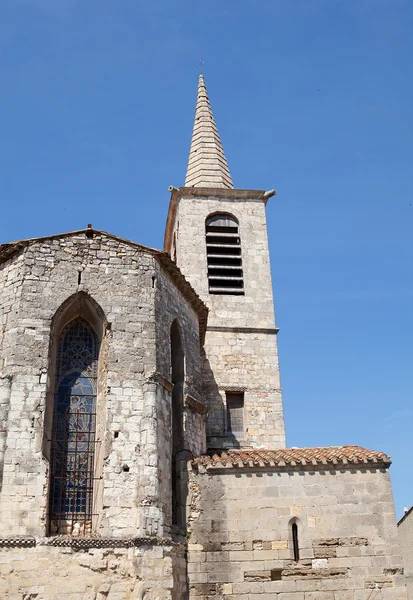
pixel 311 97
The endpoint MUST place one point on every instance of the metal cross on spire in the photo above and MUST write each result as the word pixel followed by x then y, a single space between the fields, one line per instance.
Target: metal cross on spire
pixel 201 64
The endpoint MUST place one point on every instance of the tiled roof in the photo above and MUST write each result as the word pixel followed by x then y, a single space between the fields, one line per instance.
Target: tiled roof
pixel 331 455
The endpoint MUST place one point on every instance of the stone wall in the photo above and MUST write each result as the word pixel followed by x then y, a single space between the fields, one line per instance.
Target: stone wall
pixel 131 301
pixel 243 362
pixel 405 528
pixel 256 307
pixel 142 571
pixel 10 286
pixel 240 347
pixel 241 544
pixel 168 307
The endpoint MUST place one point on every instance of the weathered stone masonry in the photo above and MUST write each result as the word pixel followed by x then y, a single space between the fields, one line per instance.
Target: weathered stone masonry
pixel 136 291
pixel 242 509
pixel 240 345
pixel 184 506
pixel 405 529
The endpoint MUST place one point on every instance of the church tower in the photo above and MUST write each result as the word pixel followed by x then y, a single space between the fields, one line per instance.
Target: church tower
pixel 217 236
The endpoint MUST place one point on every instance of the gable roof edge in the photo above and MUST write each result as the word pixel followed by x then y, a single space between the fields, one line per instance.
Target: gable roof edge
pixel 163 258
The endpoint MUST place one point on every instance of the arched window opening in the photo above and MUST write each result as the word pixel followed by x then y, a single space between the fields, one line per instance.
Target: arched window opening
pixel 296 547
pixel 72 448
pixel 178 376
pixel 225 275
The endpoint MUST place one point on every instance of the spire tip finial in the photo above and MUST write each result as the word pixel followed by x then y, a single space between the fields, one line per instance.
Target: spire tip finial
pixel 201 64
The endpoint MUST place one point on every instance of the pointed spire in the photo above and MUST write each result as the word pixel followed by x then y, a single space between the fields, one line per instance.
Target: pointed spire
pixel 207 165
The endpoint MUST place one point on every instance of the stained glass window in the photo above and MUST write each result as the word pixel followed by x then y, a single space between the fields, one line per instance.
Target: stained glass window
pixel 74 430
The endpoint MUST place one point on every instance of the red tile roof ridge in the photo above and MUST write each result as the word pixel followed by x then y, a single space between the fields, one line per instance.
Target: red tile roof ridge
pixel 239 457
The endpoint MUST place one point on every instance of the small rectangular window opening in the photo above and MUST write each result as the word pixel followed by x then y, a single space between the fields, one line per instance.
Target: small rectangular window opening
pixel 276 574
pixel 235 414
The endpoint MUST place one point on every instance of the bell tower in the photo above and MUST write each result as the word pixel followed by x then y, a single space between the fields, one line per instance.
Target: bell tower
pixel 218 237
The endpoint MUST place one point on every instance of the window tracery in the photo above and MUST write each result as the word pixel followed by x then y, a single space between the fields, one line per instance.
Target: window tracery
pixel 74 430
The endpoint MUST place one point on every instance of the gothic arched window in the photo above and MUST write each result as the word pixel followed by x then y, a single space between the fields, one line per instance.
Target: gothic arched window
pixel 178 377
pixel 223 245
pixel 74 429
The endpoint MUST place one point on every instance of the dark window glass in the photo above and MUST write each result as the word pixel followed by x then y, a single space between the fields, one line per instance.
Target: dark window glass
pixel 74 429
pixel 296 547
pixel 178 378
pixel 235 414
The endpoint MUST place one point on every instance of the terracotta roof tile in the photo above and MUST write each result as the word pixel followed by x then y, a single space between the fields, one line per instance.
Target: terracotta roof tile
pixel 291 457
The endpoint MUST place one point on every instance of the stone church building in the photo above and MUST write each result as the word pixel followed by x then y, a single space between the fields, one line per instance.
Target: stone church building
pixel 142 441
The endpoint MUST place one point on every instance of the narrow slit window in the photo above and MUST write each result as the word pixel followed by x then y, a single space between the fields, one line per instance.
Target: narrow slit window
pixel 235 414
pixel 225 274
pixel 296 547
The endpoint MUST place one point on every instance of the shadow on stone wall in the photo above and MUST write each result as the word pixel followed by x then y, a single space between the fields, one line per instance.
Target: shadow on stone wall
pixel 216 434
pixel 207 527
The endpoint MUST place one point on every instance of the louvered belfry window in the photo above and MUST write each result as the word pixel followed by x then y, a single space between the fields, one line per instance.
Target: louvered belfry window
pixel 223 244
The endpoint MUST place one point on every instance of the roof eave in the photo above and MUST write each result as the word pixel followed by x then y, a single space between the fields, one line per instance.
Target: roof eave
pixel 8 250
pixel 206 192
pixel 318 458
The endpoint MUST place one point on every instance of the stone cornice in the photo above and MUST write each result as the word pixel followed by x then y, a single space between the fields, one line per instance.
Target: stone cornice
pixel 17 542
pixel 198 192
pixel 195 405
pixel 267 331
pixel 84 543
pixel 106 542
pixel 163 381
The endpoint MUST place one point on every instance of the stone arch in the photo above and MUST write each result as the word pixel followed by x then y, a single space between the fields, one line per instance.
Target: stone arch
pixel 79 315
pixel 296 537
pixel 80 304
pixel 221 219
